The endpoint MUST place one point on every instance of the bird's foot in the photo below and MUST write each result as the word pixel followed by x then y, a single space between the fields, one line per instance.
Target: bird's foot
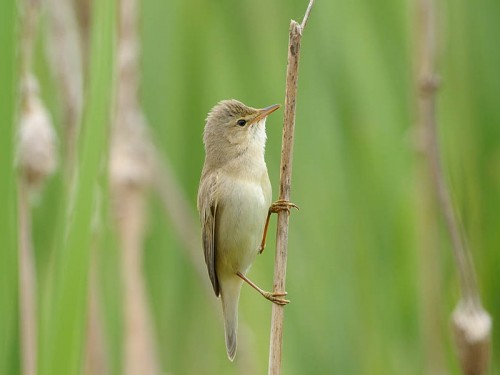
pixel 276 297
pixel 273 297
pixel 279 205
pixel 282 205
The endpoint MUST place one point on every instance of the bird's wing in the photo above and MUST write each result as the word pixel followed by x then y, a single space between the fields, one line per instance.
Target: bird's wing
pixel 207 206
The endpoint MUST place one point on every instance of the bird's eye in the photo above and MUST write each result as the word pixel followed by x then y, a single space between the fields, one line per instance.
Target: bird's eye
pixel 242 122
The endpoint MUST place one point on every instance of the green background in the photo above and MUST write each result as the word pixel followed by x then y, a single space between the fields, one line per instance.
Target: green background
pixel 355 274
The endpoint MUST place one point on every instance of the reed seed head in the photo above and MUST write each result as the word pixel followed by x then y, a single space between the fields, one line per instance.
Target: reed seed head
pixel 36 143
pixel 131 151
pixel 472 328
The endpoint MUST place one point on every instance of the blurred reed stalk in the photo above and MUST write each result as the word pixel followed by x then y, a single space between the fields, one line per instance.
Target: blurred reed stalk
pixel 96 356
pixel 471 323
pixel 83 17
pixel 130 176
pixel 36 161
pixel 430 283
pixel 27 285
pixel 64 52
pixel 277 318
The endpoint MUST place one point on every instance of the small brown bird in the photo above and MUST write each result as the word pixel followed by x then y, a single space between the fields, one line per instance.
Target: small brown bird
pixel 234 198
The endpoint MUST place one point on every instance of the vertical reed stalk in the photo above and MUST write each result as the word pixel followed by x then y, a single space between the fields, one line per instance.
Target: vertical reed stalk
pixel 27 284
pixel 277 319
pixel 430 284
pixel 130 177
pixel 471 323
pixel 140 349
pixel 429 280
pixel 96 356
pixel 66 61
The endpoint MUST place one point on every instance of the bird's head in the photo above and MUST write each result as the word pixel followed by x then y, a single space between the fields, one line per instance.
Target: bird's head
pixel 232 128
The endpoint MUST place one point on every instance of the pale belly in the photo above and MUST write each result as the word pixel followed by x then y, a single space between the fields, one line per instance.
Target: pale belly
pixel 240 224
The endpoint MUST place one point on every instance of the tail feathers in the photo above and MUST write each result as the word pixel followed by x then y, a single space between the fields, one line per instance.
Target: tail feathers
pixel 230 298
pixel 231 343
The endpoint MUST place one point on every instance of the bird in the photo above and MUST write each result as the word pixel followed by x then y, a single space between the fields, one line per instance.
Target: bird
pixel 234 203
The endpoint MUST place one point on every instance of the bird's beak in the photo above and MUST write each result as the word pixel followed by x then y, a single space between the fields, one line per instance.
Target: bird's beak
pixel 264 112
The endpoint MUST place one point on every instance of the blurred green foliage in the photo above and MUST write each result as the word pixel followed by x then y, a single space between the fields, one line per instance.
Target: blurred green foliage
pixel 353 269
pixel 8 215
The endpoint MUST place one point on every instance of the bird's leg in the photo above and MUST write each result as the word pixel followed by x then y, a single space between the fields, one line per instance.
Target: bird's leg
pixel 264 235
pixel 273 297
pixel 279 205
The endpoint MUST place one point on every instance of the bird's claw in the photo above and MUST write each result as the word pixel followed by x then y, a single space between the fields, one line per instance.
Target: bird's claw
pixel 275 298
pixel 279 205
pixel 282 205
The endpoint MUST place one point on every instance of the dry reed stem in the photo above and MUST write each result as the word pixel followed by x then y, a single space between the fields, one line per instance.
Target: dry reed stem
pixel 430 284
pixel 65 55
pixel 83 13
pixel 96 361
pixel 130 176
pixel 27 285
pixel 276 337
pixel 429 281
pixel 140 351
pixel 471 323
pixel 29 10
pixel 472 329
pixel 128 192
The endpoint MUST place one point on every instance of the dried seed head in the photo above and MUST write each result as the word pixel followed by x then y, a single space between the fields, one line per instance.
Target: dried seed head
pixel 131 151
pixel 472 328
pixel 36 144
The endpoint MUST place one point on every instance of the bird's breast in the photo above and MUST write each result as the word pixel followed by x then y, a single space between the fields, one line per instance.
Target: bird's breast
pixel 242 211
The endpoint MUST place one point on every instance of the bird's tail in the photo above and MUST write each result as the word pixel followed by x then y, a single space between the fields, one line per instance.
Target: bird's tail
pixel 230 296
